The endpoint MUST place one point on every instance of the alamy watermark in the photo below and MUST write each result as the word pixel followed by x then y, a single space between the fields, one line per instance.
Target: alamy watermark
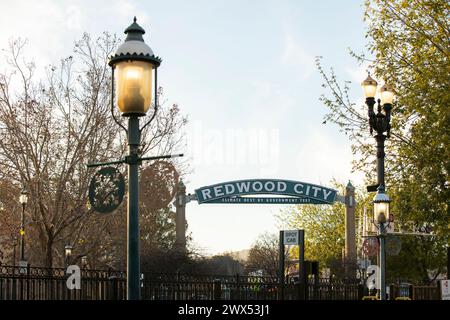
pixel 235 147
pixel 74 279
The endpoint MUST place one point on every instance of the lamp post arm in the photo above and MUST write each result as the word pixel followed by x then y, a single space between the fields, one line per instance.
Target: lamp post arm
pixel 372 118
pixel 112 100
pixel 92 165
pixel 163 157
pixel 156 100
pixel 382 237
pixel 387 109
pixel 22 234
pixel 379 106
pixel 99 164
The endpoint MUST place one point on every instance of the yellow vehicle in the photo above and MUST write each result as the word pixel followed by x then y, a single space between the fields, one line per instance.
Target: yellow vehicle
pixel 371 298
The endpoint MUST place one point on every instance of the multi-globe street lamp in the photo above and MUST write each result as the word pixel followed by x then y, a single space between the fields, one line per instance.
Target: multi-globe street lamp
pixel 380 123
pixel 23 199
pixel 133 67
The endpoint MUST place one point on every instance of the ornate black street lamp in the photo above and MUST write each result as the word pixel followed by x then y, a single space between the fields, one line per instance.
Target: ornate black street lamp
pixel 133 65
pixel 133 68
pixel 23 199
pixel 380 123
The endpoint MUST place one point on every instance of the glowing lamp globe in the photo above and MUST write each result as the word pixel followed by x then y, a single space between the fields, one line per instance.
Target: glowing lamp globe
pixel 387 94
pixel 381 207
pixel 369 87
pixel 133 65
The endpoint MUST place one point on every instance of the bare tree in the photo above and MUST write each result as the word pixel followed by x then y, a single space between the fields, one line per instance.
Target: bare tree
pixel 50 129
pixel 264 255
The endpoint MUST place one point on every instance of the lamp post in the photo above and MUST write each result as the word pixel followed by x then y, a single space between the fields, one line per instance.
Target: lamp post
pixel 133 64
pixel 14 252
pixel 380 123
pixel 68 254
pixel 23 199
pixel 381 213
pixel 84 262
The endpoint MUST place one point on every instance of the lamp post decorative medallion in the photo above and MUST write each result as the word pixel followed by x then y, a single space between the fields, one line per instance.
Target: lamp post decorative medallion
pixel 106 190
pixel 393 245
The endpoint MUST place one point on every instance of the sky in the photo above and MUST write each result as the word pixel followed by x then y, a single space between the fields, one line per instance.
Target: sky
pixel 243 72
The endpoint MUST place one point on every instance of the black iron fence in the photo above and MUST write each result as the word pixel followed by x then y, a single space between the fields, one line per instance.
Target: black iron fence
pixel 416 292
pixel 32 283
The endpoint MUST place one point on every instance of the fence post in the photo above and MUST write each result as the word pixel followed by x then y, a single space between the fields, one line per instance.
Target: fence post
pixel 392 292
pixel 281 266
pixel 238 288
pixel 217 289
pixel 28 282
pixel 411 292
pixel 448 262
pixel 439 291
pixel 113 288
pixel 316 287
pixel 178 287
pixel 330 288
pixel 360 291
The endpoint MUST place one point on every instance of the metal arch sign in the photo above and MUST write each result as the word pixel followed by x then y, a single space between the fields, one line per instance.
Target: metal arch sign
pixel 236 192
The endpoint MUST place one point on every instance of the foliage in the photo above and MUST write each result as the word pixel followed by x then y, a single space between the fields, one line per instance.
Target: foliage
pixel 423 256
pixel 324 227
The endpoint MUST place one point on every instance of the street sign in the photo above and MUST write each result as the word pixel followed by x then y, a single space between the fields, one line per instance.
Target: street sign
pixel 231 189
pixel 445 289
pixel 373 188
pixel 106 190
pixel 291 237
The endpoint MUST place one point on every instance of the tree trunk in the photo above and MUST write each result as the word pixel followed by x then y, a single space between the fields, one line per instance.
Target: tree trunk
pixel 49 253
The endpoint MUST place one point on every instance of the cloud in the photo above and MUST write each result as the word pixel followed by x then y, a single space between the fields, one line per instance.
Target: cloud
pixel 321 158
pixel 359 73
pixel 127 9
pixel 294 55
pixel 124 8
pixel 269 103
pixel 74 17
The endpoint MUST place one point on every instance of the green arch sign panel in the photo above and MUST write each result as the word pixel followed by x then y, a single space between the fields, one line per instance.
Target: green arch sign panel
pixel 237 192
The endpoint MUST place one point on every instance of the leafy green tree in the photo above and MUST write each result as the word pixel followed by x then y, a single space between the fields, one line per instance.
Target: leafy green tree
pixel 408 41
pixel 324 227
pixel 324 230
